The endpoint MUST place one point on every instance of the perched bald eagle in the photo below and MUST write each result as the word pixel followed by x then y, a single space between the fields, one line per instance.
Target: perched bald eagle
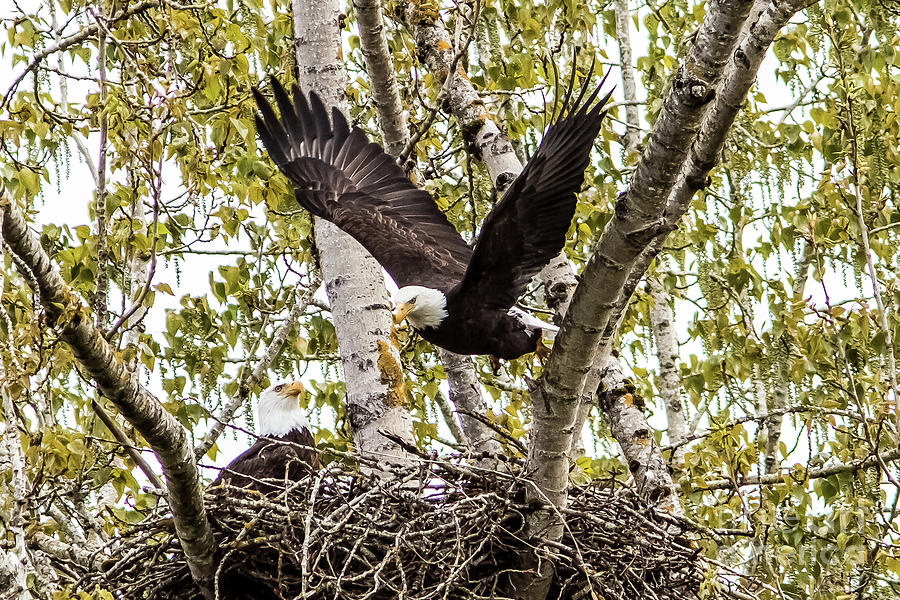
pixel 285 448
pixel 457 297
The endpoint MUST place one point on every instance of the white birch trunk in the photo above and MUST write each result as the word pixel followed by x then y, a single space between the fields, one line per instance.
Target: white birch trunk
pixel 14 561
pixel 632 136
pixel 376 395
pixel 642 454
pixel 661 322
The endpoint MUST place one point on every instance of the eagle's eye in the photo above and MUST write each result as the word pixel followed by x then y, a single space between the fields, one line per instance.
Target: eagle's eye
pixel 413 300
pixel 278 388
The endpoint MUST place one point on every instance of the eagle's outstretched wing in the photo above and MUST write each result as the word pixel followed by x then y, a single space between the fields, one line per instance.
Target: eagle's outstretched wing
pixel 527 227
pixel 342 177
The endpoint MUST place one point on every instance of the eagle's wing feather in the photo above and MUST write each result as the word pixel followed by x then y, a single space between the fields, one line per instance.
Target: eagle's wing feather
pixel 342 177
pixel 527 227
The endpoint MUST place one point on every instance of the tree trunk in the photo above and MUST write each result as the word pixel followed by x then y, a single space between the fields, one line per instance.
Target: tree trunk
pixel 465 390
pixel 662 322
pixel 376 394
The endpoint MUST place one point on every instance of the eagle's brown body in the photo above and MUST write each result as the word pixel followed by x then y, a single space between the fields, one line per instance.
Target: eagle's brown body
pixel 272 461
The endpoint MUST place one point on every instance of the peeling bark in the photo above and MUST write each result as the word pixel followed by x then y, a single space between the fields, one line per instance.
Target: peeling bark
pixel 376 395
pixel 168 439
pixel 642 454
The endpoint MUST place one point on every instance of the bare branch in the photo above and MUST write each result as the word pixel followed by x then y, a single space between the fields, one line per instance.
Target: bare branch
pixel 128 445
pixel 800 475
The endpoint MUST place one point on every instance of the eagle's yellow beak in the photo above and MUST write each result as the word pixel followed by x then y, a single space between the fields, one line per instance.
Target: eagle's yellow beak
pixel 293 389
pixel 403 310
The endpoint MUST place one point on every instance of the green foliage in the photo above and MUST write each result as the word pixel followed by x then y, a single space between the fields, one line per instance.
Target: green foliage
pixel 778 223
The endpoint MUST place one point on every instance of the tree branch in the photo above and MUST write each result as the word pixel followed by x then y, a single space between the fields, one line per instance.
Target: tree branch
pixel 17 559
pixel 634 225
pixel 465 391
pixel 63 551
pixel 642 454
pixel 88 31
pixel 383 80
pixel 873 461
pixel 632 135
pixel 102 277
pixel 128 445
pixel 662 321
pixel 163 433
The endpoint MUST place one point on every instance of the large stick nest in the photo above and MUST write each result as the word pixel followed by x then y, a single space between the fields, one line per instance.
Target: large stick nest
pixel 437 529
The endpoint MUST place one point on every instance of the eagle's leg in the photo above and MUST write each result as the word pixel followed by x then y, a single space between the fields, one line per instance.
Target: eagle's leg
pixel 542 351
pixel 495 363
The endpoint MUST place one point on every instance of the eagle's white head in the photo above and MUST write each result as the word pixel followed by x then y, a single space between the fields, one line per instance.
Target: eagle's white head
pixel 279 410
pixel 423 307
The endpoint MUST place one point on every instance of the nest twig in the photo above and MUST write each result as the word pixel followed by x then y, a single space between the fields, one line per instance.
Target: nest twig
pixel 439 530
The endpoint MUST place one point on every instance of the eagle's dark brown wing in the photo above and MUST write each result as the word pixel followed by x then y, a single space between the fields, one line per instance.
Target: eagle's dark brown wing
pixel 528 226
pixel 342 177
pixel 292 456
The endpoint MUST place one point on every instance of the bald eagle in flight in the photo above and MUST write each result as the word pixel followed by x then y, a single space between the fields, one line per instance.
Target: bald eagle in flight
pixel 456 296
pixel 285 449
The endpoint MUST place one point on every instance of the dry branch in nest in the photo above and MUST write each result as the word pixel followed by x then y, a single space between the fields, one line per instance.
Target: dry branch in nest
pixel 440 529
